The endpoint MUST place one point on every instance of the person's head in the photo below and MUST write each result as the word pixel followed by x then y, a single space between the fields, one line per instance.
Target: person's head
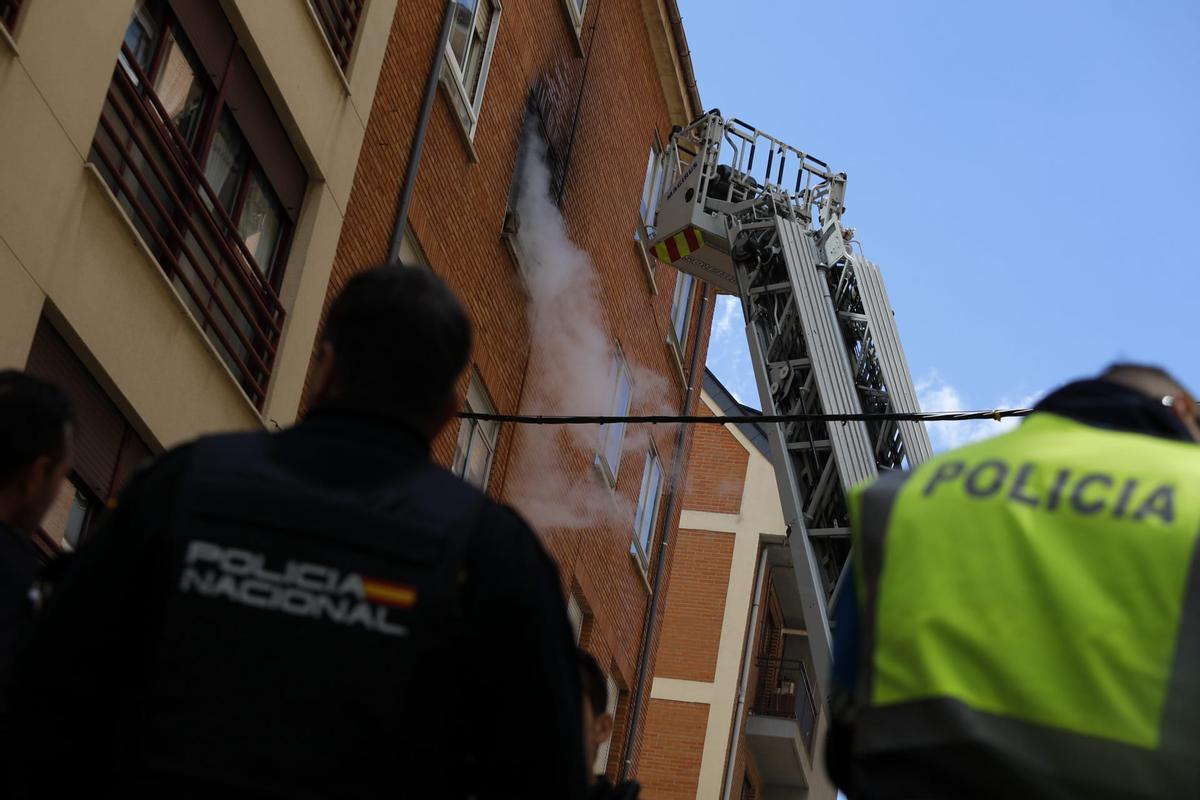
pixel 1158 384
pixel 36 448
pixel 597 722
pixel 395 341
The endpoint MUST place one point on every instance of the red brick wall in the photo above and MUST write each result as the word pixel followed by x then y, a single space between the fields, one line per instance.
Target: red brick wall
pixel 695 606
pixel 717 471
pixel 457 215
pixel 674 745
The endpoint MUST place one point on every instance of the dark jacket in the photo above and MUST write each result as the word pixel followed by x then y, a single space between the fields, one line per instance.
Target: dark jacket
pixel 19 567
pixel 302 698
pixel 1098 403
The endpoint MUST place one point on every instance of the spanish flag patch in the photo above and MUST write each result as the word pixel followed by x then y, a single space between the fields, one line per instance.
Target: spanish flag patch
pixel 392 594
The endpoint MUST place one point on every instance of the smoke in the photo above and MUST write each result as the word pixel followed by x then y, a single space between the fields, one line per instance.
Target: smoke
pixel 554 481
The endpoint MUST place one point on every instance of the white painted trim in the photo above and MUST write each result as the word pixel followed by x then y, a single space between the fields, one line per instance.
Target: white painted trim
pixel 681 691
pixel 713 521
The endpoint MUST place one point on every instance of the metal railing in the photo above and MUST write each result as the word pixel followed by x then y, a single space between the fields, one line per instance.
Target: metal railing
pixel 150 168
pixel 783 690
pixel 339 19
pixel 8 13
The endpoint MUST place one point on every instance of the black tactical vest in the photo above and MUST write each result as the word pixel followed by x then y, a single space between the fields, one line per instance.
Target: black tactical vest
pixel 310 644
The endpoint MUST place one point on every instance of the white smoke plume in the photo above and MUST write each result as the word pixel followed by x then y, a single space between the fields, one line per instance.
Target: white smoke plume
pixel 553 481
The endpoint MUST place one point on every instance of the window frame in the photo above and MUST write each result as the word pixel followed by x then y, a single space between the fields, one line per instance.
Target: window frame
pixel 600 765
pixel 681 316
pixel 576 13
pixel 477 400
pixel 651 192
pixel 609 470
pixel 216 107
pixel 643 549
pixel 464 105
pixel 342 55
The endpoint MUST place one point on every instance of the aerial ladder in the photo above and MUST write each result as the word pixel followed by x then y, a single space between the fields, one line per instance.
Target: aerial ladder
pixel 761 220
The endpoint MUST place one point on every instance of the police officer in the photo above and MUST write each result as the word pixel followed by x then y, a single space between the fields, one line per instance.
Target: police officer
pixel 1025 617
pixel 36 444
pixel 320 612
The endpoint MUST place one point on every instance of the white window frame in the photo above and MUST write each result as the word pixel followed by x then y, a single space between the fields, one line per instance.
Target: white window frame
pixel 458 85
pixel 681 308
pixel 575 616
pixel 478 431
pixel 600 766
pixel 616 429
pixel 644 517
pixel 576 13
pixel 651 192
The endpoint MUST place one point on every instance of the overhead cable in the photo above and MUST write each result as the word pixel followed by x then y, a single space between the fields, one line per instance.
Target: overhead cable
pixel 670 419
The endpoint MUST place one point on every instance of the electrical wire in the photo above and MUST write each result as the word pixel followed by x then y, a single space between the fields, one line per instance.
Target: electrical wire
pixel 670 419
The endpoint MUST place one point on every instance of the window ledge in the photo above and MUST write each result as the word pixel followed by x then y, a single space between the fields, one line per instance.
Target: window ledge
pixel 643 570
pixel 7 38
pixel 466 136
pixel 94 175
pixel 328 48
pixel 648 261
pixel 676 358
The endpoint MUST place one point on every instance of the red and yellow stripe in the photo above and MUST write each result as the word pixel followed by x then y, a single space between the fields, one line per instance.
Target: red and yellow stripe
pixel 684 243
pixel 392 594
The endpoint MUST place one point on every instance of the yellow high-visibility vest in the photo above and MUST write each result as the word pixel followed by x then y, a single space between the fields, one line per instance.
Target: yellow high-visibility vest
pixel 1031 608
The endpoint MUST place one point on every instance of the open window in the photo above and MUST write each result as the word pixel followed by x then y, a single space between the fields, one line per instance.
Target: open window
pixel 612 435
pixel 469 56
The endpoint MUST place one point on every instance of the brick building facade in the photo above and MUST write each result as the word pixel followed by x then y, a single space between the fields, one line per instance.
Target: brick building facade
pixel 732 714
pixel 599 497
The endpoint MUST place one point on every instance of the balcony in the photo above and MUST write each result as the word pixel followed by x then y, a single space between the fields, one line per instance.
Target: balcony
pixel 339 20
pixel 781 725
pixel 151 169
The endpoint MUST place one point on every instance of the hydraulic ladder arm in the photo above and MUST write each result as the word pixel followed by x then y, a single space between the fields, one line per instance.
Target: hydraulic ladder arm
pixel 761 220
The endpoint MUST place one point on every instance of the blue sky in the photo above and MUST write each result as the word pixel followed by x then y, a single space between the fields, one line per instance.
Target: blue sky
pixel 1025 173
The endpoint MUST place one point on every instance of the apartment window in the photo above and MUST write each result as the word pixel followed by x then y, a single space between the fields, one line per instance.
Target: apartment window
pixel 69 514
pixel 681 307
pixel 646 512
pixel 190 145
pixel 9 9
pixel 651 192
pixel 575 10
pixel 612 435
pixel 468 56
pixel 614 692
pixel 339 22
pixel 476 438
pixel 107 448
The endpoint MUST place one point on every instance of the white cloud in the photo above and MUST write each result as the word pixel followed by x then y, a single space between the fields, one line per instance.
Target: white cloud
pixel 935 393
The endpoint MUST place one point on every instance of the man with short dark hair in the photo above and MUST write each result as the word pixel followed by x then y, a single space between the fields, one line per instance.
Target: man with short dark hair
pixel 321 612
pixel 1023 614
pixel 598 729
pixel 36 444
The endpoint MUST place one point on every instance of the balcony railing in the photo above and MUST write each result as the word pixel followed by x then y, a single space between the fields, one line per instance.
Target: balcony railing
pixel 783 690
pixel 151 169
pixel 8 13
pixel 339 19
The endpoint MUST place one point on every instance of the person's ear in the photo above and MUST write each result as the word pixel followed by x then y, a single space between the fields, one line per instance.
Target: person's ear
pixel 35 476
pixel 1184 409
pixel 324 371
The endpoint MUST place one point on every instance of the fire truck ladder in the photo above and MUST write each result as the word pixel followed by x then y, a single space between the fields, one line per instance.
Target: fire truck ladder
pixel 819 324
